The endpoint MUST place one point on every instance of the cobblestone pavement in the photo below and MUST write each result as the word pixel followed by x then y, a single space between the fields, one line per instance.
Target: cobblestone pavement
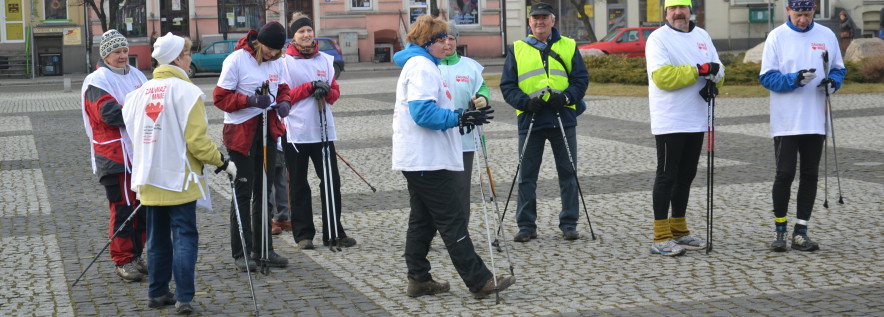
pixel 53 221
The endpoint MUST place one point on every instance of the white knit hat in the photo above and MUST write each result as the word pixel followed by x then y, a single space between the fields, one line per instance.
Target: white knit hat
pixel 167 48
pixel 110 41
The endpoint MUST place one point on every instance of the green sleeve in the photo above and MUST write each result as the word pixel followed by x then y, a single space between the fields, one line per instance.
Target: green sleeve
pixel 483 91
pixel 198 142
pixel 674 77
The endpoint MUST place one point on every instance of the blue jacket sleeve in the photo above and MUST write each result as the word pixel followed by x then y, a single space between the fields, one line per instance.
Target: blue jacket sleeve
pixel 578 81
pixel 838 74
pixel 426 114
pixel 779 82
pixel 509 83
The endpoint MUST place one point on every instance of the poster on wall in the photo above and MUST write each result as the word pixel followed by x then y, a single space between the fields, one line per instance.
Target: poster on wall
pixel 71 36
pixel 176 5
pixel 416 12
pixel 464 11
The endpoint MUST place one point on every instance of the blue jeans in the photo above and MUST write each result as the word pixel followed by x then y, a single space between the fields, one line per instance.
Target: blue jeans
pixel 526 214
pixel 172 240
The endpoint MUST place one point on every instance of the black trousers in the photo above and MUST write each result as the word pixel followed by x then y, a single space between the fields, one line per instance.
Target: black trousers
pixel 249 171
pixel 435 199
pixel 297 157
pixel 787 149
pixel 677 157
pixel 465 179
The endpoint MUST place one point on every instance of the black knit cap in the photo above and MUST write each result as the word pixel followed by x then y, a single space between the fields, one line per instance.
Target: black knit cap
pixel 272 35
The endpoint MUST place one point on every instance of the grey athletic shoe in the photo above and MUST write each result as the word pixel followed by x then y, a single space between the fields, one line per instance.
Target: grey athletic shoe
pixel 570 234
pixel 240 263
pixel 161 301
pixel 273 259
pixel 129 272
pixel 141 265
pixel 524 236
pixel 801 242
pixel 183 308
pixel 430 287
pixel 779 245
pixel 690 243
pixel 667 248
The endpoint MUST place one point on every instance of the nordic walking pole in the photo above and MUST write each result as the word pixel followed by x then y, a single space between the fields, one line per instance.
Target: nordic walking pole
pixel 831 128
pixel 487 226
pixel 513 184
pixel 374 190
pixel 327 180
pixel 710 160
pixel 496 243
pixel 265 269
pixel 120 229
pixel 574 168
pixel 242 240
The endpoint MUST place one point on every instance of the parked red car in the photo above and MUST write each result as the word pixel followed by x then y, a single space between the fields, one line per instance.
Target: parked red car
pixel 626 41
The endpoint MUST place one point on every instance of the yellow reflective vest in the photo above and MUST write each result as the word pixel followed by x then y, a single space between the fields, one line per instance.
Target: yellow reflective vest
pixel 534 80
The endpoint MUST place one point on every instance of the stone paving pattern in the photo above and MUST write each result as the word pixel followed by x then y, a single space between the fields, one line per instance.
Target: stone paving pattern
pixel 53 220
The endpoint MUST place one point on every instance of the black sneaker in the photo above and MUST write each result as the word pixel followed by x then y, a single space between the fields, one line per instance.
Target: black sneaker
pixel 240 263
pixel 801 242
pixel 344 242
pixel 779 245
pixel 430 287
pixel 273 259
pixel 502 284
pixel 183 308
pixel 165 300
pixel 524 236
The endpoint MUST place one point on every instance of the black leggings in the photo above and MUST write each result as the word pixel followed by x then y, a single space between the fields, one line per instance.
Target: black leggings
pixel 677 157
pixel 787 149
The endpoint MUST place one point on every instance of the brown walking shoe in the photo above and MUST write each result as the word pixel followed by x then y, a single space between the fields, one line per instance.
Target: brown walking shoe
pixel 430 287
pixel 502 284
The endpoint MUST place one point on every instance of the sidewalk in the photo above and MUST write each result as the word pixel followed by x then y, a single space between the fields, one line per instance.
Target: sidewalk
pixel 77 79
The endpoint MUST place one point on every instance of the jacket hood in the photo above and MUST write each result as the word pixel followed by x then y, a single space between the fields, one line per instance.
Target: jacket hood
pixel 170 71
pixel 244 42
pixel 412 50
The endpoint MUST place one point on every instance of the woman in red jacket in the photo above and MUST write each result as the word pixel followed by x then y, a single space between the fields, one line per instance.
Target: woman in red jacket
pixel 255 62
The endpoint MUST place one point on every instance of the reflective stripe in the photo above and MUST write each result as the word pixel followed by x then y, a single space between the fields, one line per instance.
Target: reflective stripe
pixel 801 222
pixel 530 74
pixel 780 219
pixel 558 72
pixel 538 93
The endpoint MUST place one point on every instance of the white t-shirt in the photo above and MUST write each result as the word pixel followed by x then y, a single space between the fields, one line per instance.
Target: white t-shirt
pixel 464 80
pixel 302 123
pixel 242 74
pixel 416 148
pixel 800 111
pixel 680 110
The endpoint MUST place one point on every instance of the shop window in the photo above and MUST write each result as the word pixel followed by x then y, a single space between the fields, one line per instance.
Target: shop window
pixel 361 4
pixel 463 12
pixel 240 17
pixel 132 19
pixel 56 9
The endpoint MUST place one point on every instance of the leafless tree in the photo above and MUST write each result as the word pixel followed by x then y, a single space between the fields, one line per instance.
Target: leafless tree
pixel 580 6
pixel 108 18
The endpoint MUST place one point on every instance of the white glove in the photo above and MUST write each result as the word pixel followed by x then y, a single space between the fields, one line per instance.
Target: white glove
pixel 231 169
pixel 805 77
pixel 480 102
pixel 717 77
pixel 829 84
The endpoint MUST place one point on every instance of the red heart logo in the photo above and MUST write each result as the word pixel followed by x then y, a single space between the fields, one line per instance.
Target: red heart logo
pixel 153 110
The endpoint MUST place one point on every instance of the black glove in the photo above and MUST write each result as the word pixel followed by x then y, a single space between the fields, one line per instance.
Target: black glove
pixel 557 101
pixel 804 77
pixel 471 118
pixel 828 84
pixel 536 104
pixel 259 101
pixel 709 91
pixel 708 69
pixel 283 108
pixel 320 89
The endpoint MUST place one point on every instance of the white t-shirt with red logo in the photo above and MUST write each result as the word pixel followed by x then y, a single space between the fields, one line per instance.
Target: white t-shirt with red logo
pixel 302 123
pixel 241 73
pixel 464 80
pixel 416 148
pixel 800 111
pixel 679 110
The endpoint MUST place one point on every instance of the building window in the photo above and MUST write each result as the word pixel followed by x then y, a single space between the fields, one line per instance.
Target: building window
pixel 240 17
pixel 464 12
pixel 132 20
pixel 360 4
pixel 56 9
pixel 11 22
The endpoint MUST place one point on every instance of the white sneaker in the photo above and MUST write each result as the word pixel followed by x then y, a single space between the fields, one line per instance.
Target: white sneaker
pixel 667 248
pixel 690 243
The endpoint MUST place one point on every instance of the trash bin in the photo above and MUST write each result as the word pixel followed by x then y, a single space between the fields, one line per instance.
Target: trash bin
pixel 50 64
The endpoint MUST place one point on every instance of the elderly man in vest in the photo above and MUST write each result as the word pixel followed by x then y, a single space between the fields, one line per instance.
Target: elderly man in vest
pixel 544 79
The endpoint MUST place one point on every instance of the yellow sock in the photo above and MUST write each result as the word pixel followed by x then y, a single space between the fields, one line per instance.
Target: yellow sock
pixel 661 230
pixel 679 227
